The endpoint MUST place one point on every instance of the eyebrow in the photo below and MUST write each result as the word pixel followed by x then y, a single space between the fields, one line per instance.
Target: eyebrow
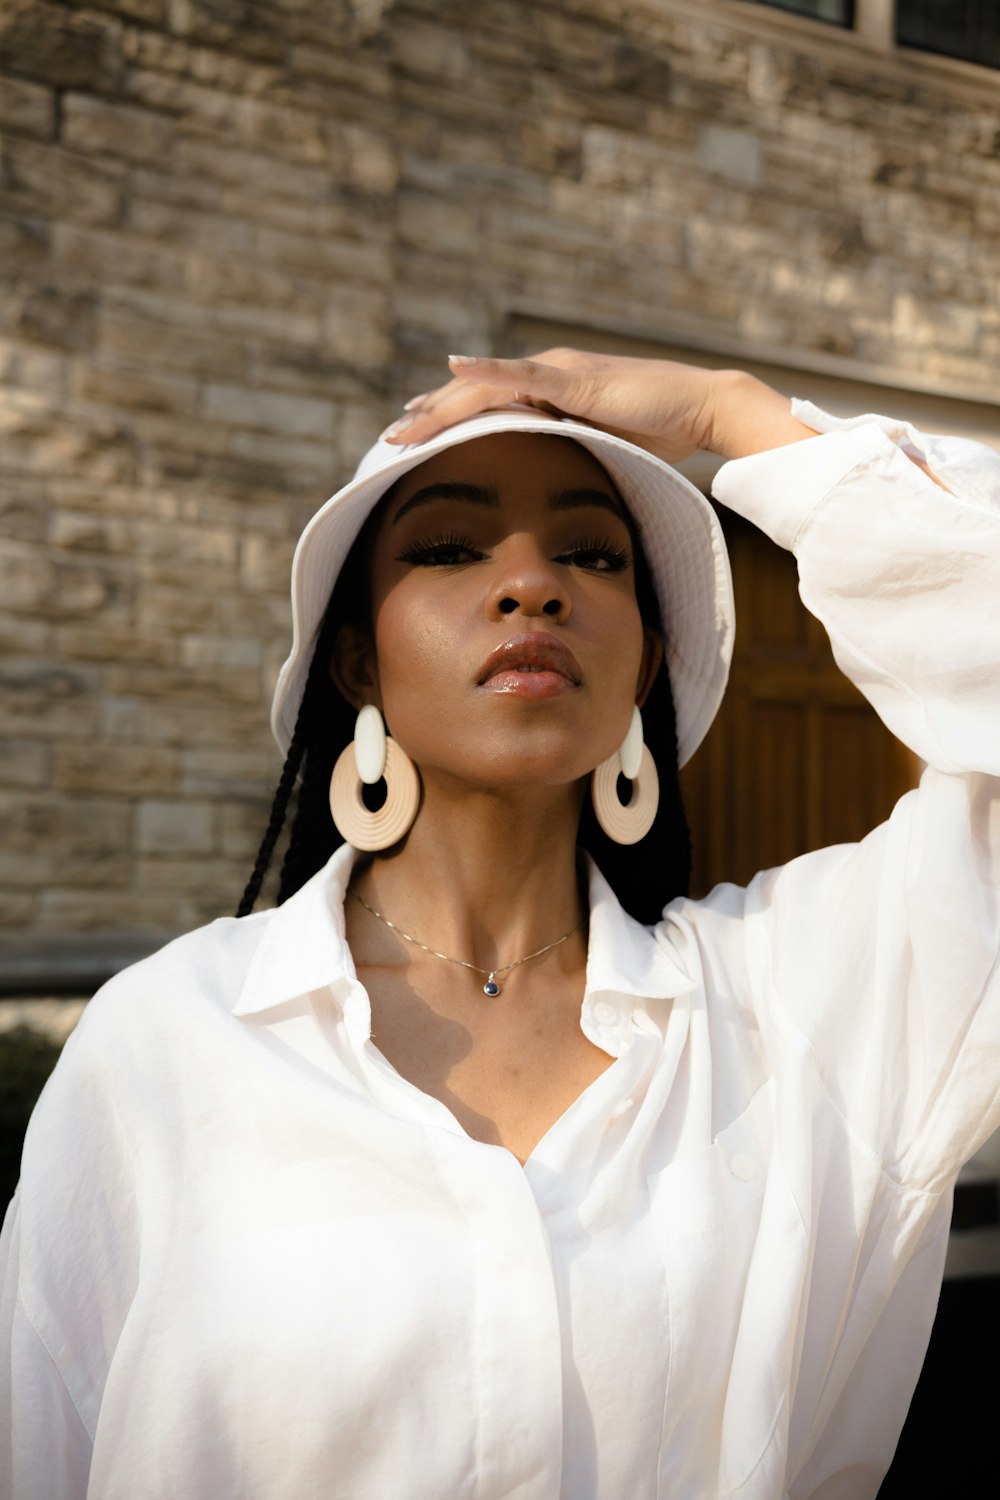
pixel 487 494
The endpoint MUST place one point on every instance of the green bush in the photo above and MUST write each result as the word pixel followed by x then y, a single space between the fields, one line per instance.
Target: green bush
pixel 27 1057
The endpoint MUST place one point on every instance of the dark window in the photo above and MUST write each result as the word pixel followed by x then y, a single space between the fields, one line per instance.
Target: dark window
pixel 837 12
pixel 969 29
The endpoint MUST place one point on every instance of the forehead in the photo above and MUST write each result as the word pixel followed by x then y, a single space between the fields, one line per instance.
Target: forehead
pixel 510 460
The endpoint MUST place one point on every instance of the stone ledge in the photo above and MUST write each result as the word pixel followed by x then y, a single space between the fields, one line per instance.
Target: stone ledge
pixel 70 966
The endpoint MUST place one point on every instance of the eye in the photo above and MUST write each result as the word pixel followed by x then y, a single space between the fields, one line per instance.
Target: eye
pixel 440 552
pixel 598 555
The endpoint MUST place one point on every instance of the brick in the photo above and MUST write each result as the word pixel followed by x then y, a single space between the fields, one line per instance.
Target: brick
pixel 733 154
pixel 59 315
pixel 121 770
pixel 186 546
pixel 263 565
pixel 92 835
pixel 226 652
pixel 224 26
pixel 251 172
pixel 25 763
pixel 24 240
pixel 241 828
pixel 56 183
pixel 425 219
pixel 106 641
pixel 23 517
pixel 189 725
pixel 44 698
pixel 215 687
pixel 61 588
pixel 97 126
pixel 372 160
pixel 153 345
pixel 27 107
pixel 273 410
pixel 121 387
pixel 18 910
pixel 249 775
pixel 62 48
pixel 86 252
pixel 20 637
pixel 39 438
pixel 174 827
pixel 82 909
pixel 220 880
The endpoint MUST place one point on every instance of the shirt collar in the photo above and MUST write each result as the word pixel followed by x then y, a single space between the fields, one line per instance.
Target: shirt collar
pixel 304 948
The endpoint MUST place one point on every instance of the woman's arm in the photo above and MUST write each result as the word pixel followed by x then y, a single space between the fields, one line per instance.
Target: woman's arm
pixel 883 955
pixel 45 1449
pixel 669 408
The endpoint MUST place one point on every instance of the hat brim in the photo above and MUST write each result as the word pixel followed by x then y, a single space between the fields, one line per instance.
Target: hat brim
pixel 680 533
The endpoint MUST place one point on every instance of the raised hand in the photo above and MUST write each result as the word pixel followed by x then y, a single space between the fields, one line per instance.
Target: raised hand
pixel 669 408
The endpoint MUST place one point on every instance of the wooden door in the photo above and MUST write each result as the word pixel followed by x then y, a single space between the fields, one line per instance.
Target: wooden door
pixel 797 759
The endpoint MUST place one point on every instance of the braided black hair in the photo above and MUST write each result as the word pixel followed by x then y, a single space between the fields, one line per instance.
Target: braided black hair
pixel 644 876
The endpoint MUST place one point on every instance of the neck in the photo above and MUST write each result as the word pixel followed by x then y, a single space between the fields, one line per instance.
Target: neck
pixel 483 876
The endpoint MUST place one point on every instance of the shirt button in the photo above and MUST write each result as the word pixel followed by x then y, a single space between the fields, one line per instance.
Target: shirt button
pixel 605 1013
pixel 743 1167
pixel 622 1108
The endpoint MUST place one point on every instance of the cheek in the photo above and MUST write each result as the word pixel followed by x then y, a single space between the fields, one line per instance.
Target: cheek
pixel 418 650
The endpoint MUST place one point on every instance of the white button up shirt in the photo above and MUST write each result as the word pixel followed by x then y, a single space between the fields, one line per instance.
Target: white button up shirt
pixel 248 1259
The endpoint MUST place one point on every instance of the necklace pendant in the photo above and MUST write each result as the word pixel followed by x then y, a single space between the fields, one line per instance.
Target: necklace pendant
pixel 491 987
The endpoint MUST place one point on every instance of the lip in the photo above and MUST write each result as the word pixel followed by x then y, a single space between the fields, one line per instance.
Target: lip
pixel 530 655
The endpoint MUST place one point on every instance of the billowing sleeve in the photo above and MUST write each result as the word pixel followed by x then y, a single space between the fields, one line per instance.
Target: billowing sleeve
pixel 44 1447
pixel 69 1258
pixel 882 956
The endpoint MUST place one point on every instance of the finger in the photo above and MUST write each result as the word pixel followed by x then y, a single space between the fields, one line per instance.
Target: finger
pixel 537 379
pixel 483 384
pixel 440 409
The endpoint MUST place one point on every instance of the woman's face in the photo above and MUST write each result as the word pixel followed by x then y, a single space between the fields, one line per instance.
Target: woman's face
pixel 508 646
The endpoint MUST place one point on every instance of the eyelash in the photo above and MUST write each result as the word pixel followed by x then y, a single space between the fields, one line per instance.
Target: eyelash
pixel 422 553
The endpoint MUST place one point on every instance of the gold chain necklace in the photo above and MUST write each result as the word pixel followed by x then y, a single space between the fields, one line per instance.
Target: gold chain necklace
pixel 491 987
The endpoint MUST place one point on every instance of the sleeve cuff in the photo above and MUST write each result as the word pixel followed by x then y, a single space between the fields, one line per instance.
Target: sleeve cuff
pixel 778 489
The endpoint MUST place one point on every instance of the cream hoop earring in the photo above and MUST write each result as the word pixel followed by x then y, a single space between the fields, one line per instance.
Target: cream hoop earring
pixel 371 756
pixel 627 824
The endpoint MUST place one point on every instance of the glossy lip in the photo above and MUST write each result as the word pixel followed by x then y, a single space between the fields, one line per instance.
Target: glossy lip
pixel 536 649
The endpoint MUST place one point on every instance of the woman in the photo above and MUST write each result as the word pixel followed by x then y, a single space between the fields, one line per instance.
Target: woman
pixel 447 1177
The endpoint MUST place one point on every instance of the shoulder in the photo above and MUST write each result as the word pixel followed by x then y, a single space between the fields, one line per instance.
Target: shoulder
pixel 201 971
pixel 141 1032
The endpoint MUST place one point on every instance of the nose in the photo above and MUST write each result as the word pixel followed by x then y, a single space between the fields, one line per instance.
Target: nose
pixel 529 584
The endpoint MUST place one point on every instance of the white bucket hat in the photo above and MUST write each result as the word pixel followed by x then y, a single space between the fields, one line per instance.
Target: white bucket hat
pixel 680 533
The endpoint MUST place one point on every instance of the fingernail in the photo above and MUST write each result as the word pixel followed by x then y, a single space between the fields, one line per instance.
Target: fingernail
pixel 462 359
pixel 416 401
pixel 397 427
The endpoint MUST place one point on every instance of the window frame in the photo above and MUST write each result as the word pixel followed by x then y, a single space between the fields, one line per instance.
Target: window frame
pixel 874 31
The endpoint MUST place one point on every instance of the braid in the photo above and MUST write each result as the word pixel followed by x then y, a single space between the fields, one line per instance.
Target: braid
pixel 275 822
pixel 314 835
pixel 304 740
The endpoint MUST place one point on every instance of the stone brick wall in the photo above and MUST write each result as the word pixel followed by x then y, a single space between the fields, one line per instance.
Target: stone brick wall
pixel 234 234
